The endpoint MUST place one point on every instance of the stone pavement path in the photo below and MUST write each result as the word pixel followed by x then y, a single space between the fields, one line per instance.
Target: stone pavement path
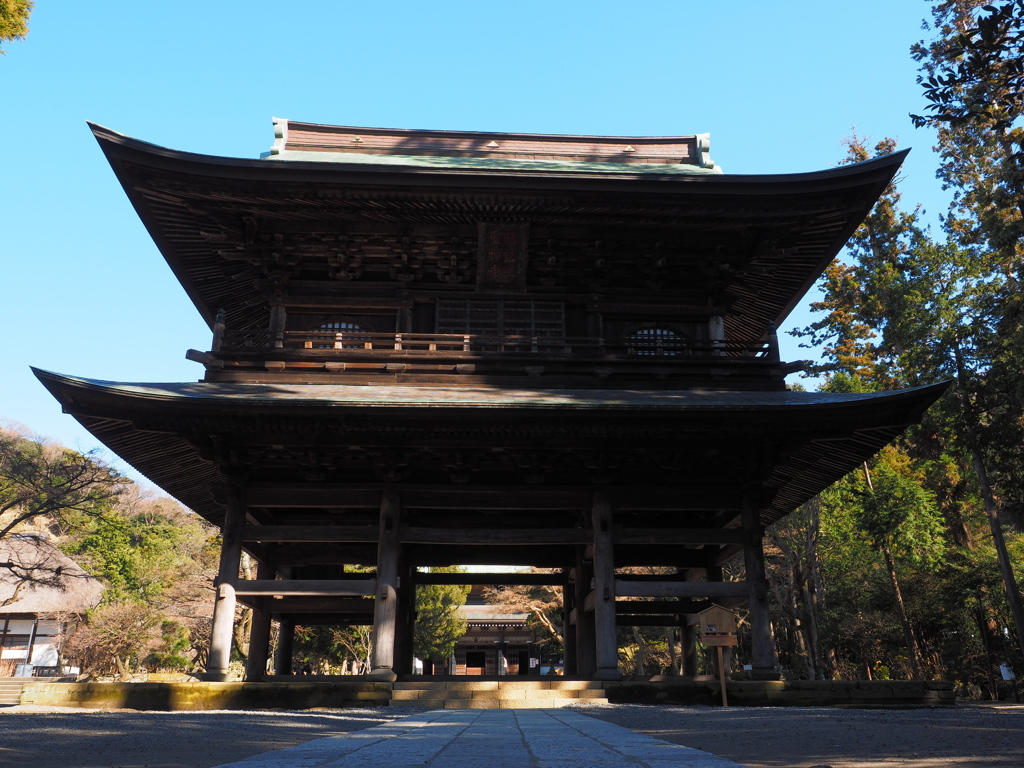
pixel 474 738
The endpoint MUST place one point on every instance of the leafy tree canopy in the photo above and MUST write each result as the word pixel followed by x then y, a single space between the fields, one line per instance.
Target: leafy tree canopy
pixel 438 623
pixel 14 20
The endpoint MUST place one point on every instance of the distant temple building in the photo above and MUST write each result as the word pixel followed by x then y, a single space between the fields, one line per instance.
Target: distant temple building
pixel 41 591
pixel 435 347
pixel 495 643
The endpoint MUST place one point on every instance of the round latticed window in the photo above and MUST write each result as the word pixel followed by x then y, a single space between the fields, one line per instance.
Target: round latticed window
pixel 655 341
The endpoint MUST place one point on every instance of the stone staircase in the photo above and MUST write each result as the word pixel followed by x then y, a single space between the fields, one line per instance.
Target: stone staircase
pixel 497 694
pixel 10 691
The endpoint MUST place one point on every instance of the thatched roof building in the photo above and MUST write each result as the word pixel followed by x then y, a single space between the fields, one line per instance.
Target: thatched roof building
pixel 38 579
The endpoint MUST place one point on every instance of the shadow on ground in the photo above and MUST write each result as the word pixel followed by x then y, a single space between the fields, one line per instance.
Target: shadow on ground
pixel 125 739
pixel 792 737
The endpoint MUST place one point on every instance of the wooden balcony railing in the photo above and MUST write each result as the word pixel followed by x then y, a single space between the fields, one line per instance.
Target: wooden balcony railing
pixel 358 344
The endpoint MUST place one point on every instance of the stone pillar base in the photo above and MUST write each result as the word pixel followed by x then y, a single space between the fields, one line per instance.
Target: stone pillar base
pixel 607 674
pixel 383 675
pixel 213 677
pixel 765 674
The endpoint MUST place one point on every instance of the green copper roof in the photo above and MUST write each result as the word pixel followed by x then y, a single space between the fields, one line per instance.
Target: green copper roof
pixel 494 163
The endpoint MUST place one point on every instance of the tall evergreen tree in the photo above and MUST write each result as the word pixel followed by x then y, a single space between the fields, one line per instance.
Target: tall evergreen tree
pixel 973 76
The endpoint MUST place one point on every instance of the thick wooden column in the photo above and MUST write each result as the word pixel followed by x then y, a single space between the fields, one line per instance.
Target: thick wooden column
pixel 285 646
pixel 714 573
pixel 406 621
pixel 385 610
pixel 227 578
pixel 688 647
pixel 259 633
pixel 688 635
pixel 568 626
pixel 765 662
pixel 278 323
pixel 605 631
pixel 586 662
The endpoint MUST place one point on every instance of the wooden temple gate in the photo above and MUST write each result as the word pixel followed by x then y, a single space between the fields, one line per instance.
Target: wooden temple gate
pixel 435 348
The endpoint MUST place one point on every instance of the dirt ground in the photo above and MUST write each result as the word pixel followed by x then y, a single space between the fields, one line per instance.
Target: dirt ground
pixel 966 737
pixel 989 736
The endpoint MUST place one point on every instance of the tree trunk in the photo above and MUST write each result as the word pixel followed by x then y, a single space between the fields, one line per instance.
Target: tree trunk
pixel 991 509
pixel 673 659
pixel 908 631
pixel 241 631
pixel 641 651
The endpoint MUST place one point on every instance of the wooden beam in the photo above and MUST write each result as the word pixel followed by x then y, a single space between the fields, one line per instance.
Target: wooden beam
pixel 426 555
pixel 329 619
pixel 313 604
pixel 531 579
pixel 305 587
pixel 676 536
pixel 539 497
pixel 312 533
pixel 696 589
pixel 495 536
pixel 728 553
pixel 627 620
pixel 668 607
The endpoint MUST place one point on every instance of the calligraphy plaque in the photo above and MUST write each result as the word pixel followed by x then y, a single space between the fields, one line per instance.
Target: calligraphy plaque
pixel 503 256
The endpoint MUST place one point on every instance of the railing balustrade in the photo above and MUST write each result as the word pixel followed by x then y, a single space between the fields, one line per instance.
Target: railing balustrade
pixel 358 343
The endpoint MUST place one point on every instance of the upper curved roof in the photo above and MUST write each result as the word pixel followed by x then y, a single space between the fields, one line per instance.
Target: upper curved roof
pixel 203 212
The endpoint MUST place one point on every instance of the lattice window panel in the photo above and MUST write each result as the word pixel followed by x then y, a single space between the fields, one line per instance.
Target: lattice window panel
pixel 543 319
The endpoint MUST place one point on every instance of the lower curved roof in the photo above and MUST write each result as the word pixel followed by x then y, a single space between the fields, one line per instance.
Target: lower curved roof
pixel 792 445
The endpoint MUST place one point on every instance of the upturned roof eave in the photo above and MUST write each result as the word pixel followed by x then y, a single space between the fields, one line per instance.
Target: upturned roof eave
pixel 109 412
pixel 273 397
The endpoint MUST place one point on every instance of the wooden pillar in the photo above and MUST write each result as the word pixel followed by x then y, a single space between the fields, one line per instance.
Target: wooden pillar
pixel 385 610
pixel 406 621
pixel 259 634
pixel 278 323
pixel 285 647
pixel 586 662
pixel 568 626
pixel 688 633
pixel 605 631
pixel 688 636
pixel 765 662
pixel 227 578
pixel 716 332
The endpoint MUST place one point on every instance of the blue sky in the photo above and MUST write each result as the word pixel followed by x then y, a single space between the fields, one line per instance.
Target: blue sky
pixel 85 292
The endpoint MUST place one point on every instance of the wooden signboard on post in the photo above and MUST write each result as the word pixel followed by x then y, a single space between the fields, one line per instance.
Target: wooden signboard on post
pixel 717 627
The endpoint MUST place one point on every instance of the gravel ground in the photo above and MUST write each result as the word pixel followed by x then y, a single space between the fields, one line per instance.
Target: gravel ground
pixel 965 737
pixel 982 736
pixel 52 737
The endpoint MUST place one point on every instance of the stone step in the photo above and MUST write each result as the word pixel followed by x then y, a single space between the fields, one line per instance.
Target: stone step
pixel 409 694
pixel 478 685
pixel 498 694
pixel 10 693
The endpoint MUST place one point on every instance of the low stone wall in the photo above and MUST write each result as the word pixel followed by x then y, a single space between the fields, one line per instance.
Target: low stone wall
pixel 786 693
pixel 194 696
pixel 202 696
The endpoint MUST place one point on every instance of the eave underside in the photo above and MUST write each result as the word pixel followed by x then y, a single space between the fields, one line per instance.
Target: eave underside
pixel 466 463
